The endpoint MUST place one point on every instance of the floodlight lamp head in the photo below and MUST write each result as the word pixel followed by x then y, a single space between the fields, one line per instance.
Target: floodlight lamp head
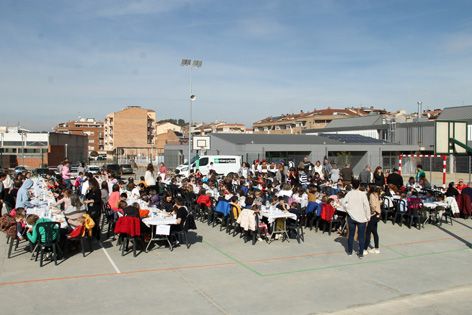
pixel 186 62
pixel 193 97
pixel 196 63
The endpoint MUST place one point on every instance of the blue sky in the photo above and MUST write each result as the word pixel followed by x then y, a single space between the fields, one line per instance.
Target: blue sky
pixel 64 59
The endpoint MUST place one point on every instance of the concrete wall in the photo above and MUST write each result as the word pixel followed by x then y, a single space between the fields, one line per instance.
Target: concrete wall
pixel 360 154
pixel 77 148
pixel 407 134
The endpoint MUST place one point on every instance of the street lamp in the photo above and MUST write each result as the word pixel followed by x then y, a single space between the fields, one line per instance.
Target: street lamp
pixel 191 64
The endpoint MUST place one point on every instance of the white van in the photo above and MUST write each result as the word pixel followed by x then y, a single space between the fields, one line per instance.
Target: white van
pixel 222 164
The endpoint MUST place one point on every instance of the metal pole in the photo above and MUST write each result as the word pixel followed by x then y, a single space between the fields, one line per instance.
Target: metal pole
pixel 190 122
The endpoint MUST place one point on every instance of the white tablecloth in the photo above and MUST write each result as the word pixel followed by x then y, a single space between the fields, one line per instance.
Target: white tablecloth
pixel 272 215
pixel 434 205
pixel 45 212
pixel 159 221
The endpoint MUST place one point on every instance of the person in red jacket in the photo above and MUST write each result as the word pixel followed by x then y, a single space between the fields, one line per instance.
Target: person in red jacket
pixel 204 199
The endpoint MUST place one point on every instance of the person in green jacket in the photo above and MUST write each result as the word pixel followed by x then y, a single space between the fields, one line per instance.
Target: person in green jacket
pixel 32 233
pixel 419 172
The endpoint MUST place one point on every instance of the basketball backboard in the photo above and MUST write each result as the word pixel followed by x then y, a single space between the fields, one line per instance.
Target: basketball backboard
pixel 446 130
pixel 201 143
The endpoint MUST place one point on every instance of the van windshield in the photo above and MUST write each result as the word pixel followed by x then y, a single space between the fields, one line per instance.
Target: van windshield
pixel 203 161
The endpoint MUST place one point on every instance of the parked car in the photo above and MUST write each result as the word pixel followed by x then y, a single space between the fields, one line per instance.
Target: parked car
pixel 93 169
pixel 126 169
pixel 20 169
pixel 114 169
pixel 74 170
pixel 41 172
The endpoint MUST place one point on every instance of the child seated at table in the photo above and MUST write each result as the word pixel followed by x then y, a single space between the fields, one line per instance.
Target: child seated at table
pixel 121 207
pixel 281 204
pixel 132 211
pixel 204 199
pixel 32 233
pixel 20 220
pixel 75 211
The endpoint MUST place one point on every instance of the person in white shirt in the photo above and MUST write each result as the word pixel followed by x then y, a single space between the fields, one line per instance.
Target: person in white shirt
pixel 285 192
pixel 7 182
pixel 149 176
pixel 357 206
pixel 301 197
pixel 318 169
pixel 85 186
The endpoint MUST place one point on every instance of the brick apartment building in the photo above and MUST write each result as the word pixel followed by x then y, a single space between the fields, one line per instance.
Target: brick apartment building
pixel 85 126
pixel 130 132
pixel 316 119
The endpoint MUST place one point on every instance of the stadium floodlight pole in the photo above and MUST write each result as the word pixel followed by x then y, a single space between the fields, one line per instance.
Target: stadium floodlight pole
pixel 191 64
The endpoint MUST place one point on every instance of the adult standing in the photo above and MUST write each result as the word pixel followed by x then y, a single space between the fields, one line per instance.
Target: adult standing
pixel 327 167
pixel 365 177
pixel 93 200
pixel 66 175
pixel 358 208
pixel 162 171
pixel 374 202
pixel 419 172
pixel 395 179
pixel 379 178
pixel 149 176
pixel 346 174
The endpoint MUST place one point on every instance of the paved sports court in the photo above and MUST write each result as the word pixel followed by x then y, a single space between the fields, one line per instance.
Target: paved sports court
pixel 220 274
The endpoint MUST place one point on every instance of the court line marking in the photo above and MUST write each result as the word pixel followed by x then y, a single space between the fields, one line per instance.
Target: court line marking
pixel 362 262
pixel 237 261
pixel 124 273
pixel 109 259
pixel 245 266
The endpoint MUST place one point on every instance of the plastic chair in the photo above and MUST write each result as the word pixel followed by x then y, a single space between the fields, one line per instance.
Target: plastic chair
pixel 128 230
pixel 84 238
pixel 401 211
pixel 189 224
pixel 12 240
pixel 388 208
pixel 446 214
pixel 231 221
pixel 296 226
pixel 415 205
pixel 48 239
pixel 108 218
